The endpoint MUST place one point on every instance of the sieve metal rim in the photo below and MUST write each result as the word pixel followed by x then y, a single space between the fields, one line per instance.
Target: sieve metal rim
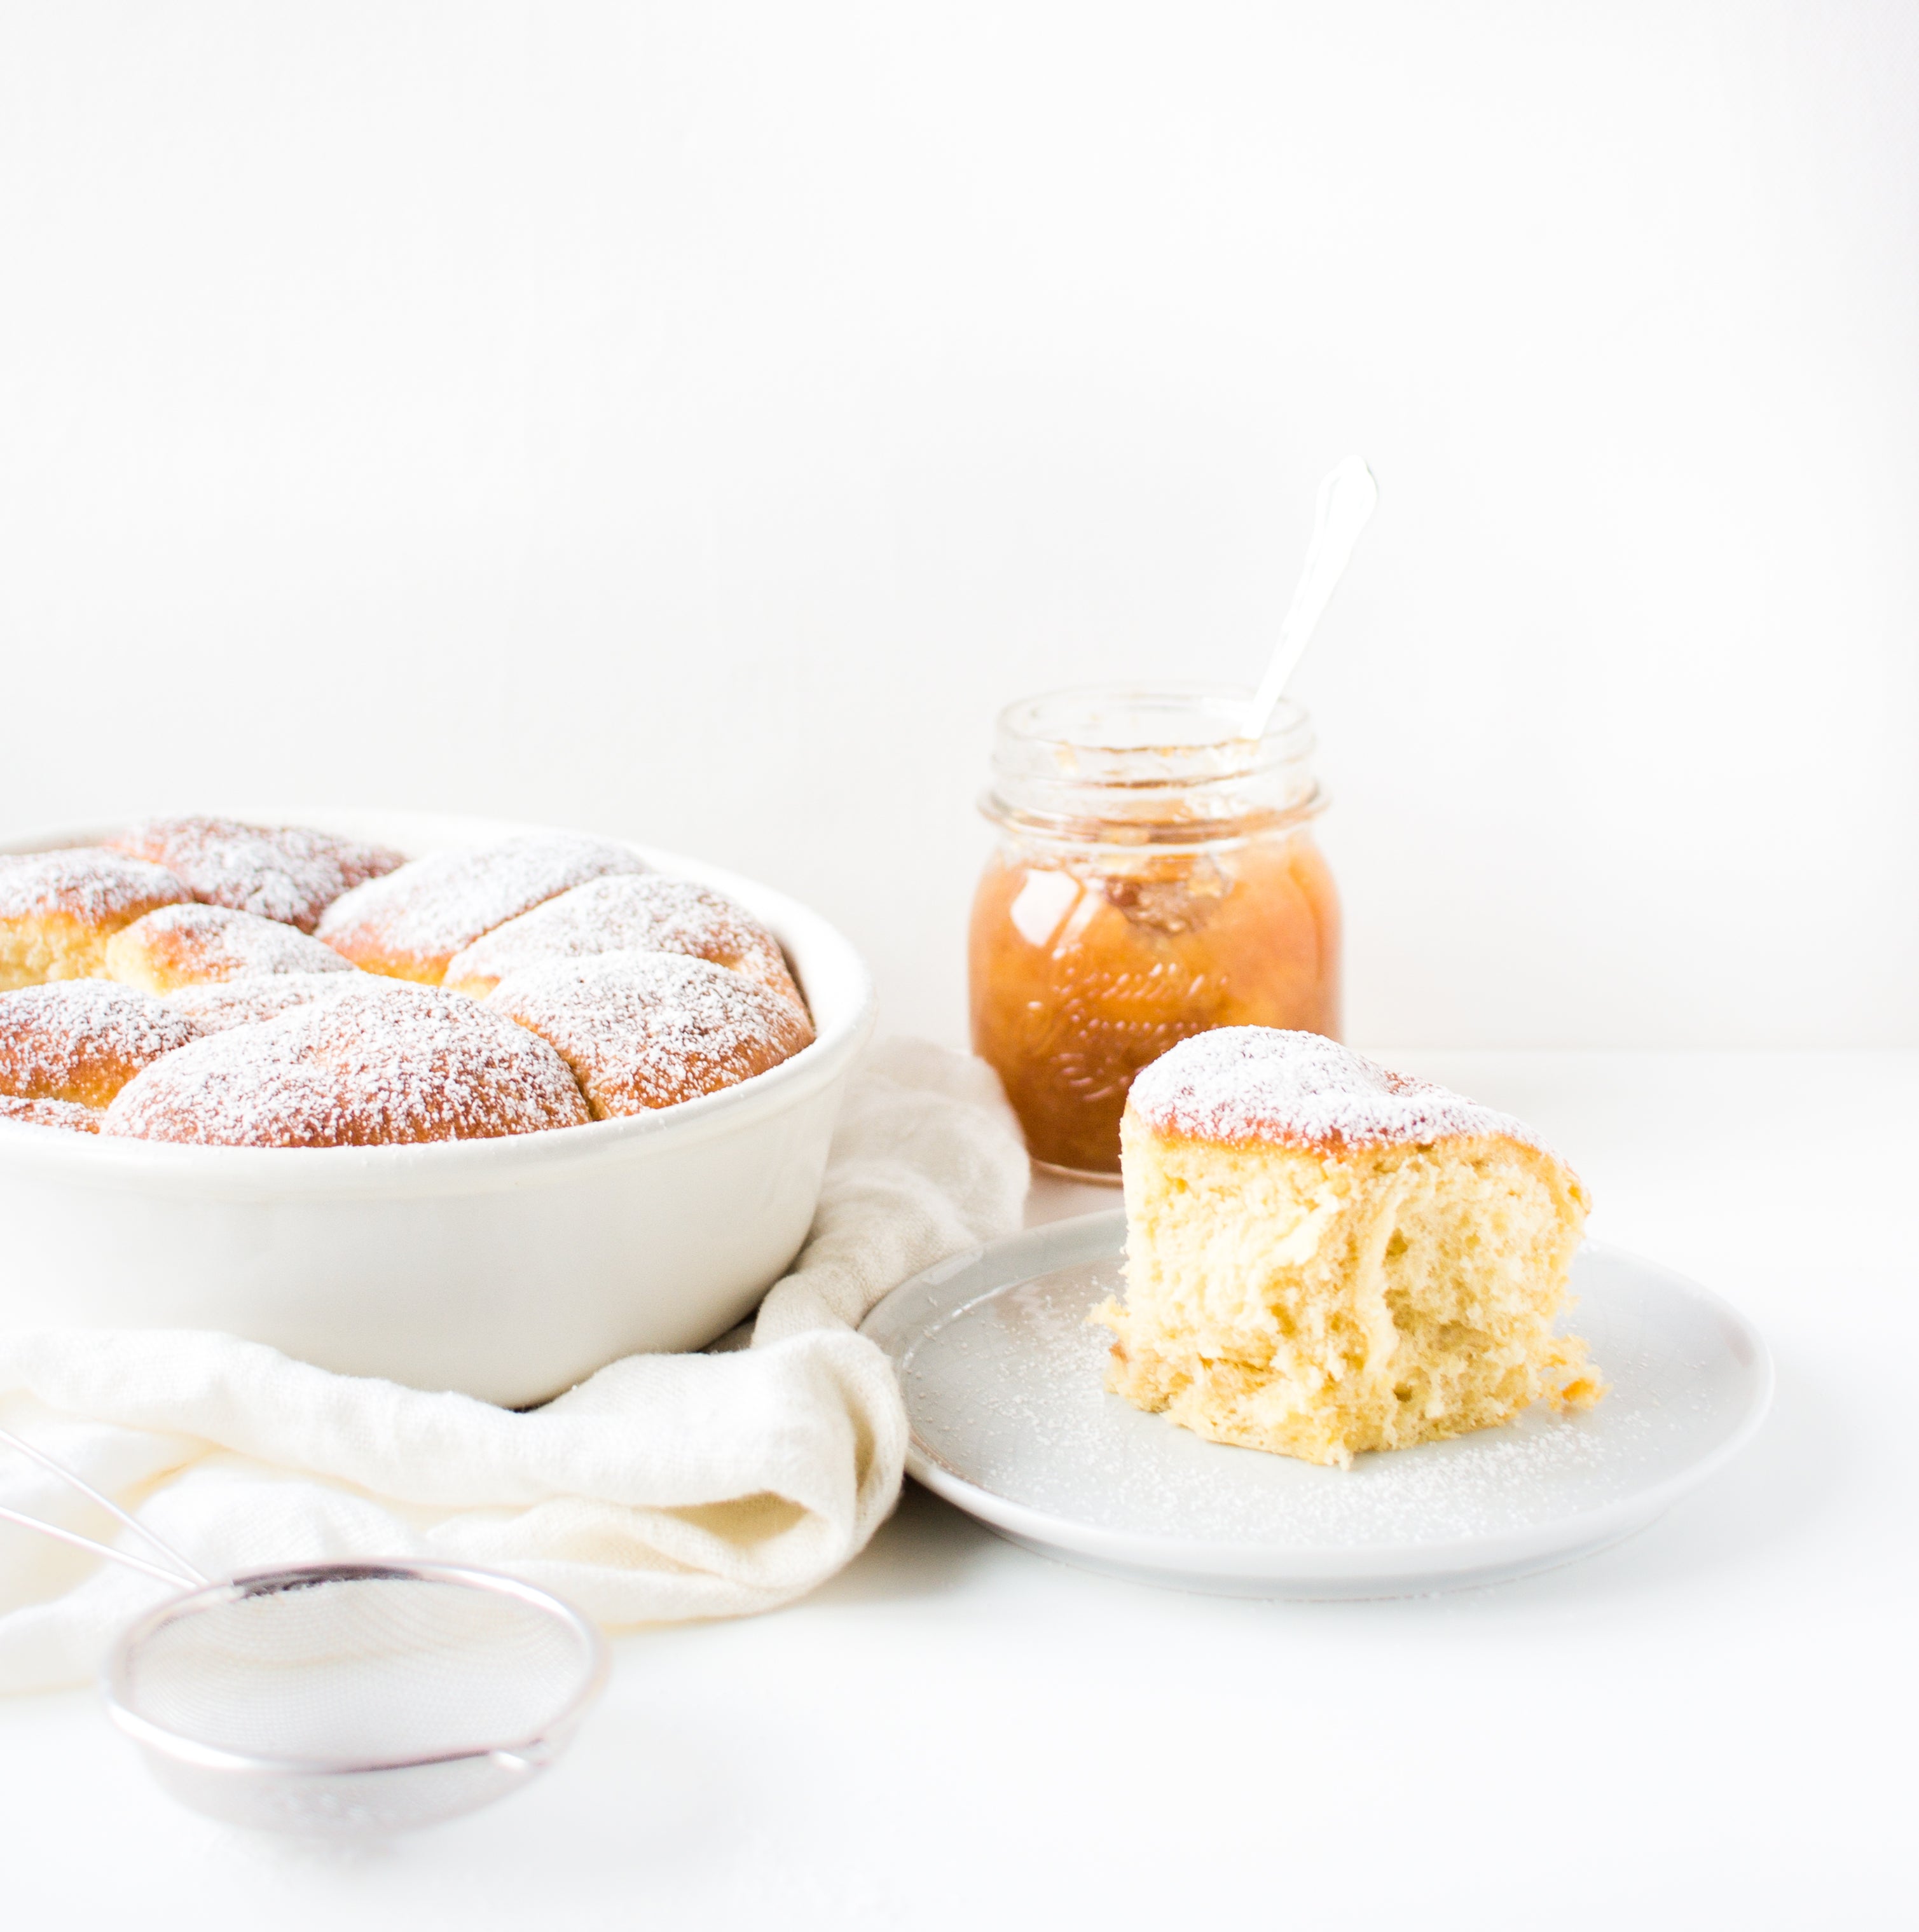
pixel 526 1752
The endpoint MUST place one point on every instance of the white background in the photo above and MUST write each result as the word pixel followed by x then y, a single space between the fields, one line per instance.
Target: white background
pixel 693 421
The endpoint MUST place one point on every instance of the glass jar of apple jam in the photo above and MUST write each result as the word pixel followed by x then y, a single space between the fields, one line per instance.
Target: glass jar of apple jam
pixel 1155 875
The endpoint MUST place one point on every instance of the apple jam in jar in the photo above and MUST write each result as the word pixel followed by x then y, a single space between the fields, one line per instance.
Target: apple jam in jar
pixel 1155 875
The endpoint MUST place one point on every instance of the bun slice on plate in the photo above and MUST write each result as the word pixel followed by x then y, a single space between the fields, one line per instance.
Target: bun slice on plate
pixel 1324 1257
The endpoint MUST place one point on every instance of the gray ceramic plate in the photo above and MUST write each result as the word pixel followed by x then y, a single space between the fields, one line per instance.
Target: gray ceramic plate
pixel 1010 1422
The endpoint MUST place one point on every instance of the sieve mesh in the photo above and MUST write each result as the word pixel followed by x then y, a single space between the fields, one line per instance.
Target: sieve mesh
pixel 339 1698
pixel 354 1666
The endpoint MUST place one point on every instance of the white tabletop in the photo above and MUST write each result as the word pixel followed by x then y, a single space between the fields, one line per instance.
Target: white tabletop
pixel 1704 1727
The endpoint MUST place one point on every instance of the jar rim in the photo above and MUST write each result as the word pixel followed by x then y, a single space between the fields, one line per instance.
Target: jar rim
pixel 1040 723
pixel 1164 759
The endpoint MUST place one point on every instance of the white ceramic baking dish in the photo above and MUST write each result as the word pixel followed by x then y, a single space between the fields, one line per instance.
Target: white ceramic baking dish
pixel 509 1269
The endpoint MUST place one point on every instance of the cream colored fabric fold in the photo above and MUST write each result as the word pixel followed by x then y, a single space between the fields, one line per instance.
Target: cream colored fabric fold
pixel 666 1486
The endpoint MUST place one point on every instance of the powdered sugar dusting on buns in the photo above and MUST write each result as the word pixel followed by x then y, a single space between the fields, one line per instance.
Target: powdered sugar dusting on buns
pixel 83 1039
pixel 1238 1085
pixel 291 873
pixel 647 1029
pixel 413 921
pixel 65 1114
pixel 183 945
pixel 647 913
pixel 85 882
pixel 402 1063
pixel 221 1003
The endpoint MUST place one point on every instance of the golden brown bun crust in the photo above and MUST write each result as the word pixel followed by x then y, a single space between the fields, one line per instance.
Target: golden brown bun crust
pixel 82 1040
pixel 1252 1086
pixel 193 945
pixel 58 910
pixel 61 1114
pixel 642 1031
pixel 648 912
pixel 372 1067
pixel 288 873
pixel 409 924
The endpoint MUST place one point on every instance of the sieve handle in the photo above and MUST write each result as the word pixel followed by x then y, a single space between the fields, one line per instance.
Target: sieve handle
pixel 182 1572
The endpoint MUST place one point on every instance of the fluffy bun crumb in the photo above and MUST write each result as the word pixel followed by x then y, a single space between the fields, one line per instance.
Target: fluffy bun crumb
pixel 58 910
pixel 1323 1257
pixel 189 945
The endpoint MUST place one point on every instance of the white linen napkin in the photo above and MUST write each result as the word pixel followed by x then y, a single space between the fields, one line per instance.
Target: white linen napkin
pixel 665 1487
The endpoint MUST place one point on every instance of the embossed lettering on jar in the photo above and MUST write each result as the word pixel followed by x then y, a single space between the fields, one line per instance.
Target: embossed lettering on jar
pixel 1155 875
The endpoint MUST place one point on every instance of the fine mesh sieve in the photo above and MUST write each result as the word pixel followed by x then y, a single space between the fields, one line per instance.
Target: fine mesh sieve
pixel 346 1698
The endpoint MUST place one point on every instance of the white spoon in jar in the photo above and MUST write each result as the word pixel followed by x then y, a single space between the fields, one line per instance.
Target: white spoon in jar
pixel 1346 500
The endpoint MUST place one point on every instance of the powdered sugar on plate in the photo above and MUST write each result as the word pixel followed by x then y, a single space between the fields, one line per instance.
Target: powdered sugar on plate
pixel 1003 1382
pixel 1237 1084
pixel 1033 1382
